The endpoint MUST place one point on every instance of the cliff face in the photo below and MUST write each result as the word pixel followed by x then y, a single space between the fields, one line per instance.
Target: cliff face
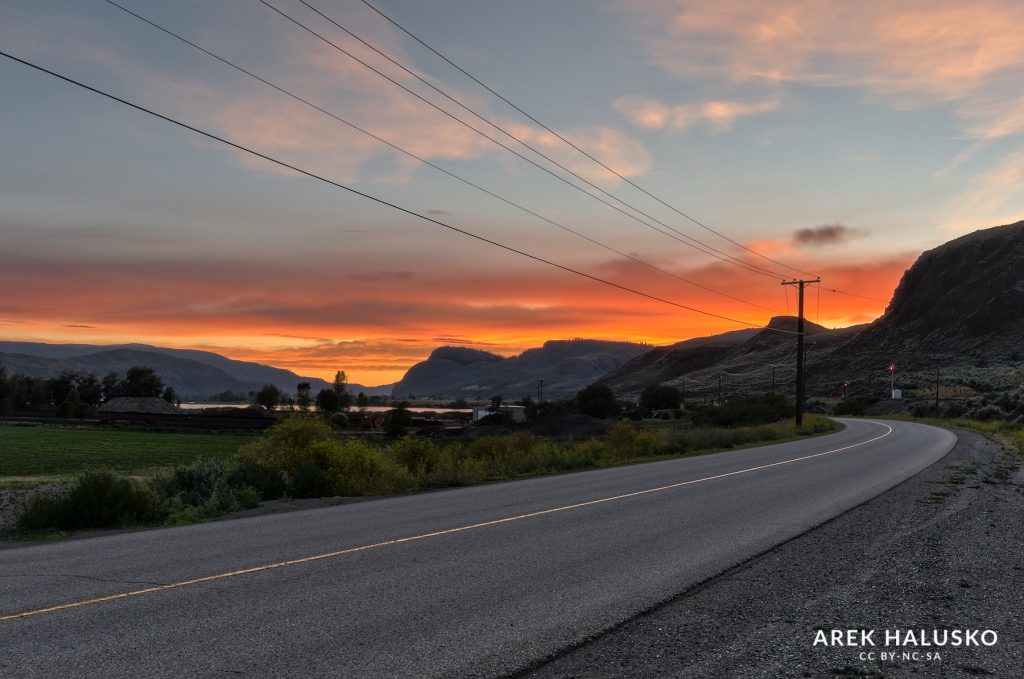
pixel 958 309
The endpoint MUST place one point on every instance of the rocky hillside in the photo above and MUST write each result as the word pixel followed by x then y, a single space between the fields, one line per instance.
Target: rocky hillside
pixel 745 359
pixel 566 366
pixel 958 309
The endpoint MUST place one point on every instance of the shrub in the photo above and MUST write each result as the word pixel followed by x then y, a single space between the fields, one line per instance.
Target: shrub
pixel 268 481
pixel 626 442
pixel 206 488
pixel 339 420
pixel 418 455
pixel 397 421
pixel 97 499
pixel 854 406
pixel 746 411
pixel 660 397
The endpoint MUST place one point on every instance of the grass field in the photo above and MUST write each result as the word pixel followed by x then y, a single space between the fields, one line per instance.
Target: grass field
pixel 55 452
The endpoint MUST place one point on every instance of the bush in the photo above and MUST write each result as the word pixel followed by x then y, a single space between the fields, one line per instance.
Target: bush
pixel 854 406
pixel 97 499
pixel 397 421
pixel 339 420
pixel 313 463
pixel 418 455
pixel 660 397
pixel 744 411
pixel 267 481
pixel 206 488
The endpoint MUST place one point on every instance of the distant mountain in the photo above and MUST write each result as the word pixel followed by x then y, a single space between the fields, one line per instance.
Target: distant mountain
pixel 566 366
pixel 192 373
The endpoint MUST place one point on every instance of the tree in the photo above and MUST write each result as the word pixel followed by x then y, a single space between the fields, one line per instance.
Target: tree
pixel 302 394
pixel 496 403
pixel 142 382
pixel 362 401
pixel 168 394
pixel 269 396
pixel 597 401
pixel 90 390
pixel 660 397
pixel 327 401
pixel 341 390
pixel 61 385
pixel 397 421
pixel 69 407
pixel 112 386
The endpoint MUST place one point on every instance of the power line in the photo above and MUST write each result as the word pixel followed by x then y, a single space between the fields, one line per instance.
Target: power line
pixel 853 294
pixel 375 199
pixel 690 241
pixel 404 151
pixel 565 140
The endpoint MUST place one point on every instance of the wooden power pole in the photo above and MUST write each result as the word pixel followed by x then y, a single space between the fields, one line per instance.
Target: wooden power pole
pixel 800 376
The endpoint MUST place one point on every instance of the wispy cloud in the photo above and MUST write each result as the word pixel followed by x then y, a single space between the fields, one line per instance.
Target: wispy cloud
pixel 719 115
pixel 918 53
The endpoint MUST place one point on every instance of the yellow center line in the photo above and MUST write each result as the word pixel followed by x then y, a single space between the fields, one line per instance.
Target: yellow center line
pixel 413 538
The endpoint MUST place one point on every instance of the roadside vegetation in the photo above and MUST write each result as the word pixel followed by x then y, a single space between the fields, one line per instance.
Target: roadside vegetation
pixel 312 455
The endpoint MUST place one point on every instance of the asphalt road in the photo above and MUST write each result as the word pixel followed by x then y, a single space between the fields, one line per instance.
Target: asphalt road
pixel 477 581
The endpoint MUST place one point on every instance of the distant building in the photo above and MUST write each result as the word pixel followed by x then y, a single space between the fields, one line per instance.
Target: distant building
pixel 518 413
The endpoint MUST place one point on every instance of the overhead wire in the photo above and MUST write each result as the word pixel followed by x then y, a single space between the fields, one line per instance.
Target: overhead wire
pixel 381 201
pixel 675 233
pixel 568 141
pixel 429 163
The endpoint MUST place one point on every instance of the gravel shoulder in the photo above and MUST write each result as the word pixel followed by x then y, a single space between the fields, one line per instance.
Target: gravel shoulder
pixel 944 550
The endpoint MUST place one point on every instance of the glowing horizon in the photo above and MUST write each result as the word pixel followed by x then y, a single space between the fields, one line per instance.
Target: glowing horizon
pixel 843 140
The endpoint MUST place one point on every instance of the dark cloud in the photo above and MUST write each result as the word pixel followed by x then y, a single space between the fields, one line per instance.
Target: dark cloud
pixel 825 235
pixel 438 212
pixel 76 325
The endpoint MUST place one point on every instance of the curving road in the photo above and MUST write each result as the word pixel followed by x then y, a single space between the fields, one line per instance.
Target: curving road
pixel 478 581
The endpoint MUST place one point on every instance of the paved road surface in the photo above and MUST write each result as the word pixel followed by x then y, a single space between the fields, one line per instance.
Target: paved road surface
pixel 493 578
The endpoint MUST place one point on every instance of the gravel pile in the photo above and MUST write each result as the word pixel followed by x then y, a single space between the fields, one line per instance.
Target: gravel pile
pixel 944 550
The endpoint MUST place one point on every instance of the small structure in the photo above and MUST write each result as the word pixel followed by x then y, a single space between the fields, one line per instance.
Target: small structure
pixel 517 413
pixel 897 394
pixel 148 406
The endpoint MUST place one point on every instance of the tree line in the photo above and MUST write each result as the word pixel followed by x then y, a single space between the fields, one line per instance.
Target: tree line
pixel 78 393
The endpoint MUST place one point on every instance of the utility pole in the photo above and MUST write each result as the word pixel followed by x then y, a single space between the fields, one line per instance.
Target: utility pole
pixel 773 378
pixel 540 391
pixel 892 380
pixel 719 389
pixel 800 377
pixel 846 389
pixel 936 391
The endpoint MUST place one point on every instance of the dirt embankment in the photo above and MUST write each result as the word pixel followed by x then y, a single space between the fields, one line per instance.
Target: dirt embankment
pixel 942 551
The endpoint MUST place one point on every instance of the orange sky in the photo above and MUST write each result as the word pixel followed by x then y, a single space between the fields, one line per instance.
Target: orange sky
pixel 376 329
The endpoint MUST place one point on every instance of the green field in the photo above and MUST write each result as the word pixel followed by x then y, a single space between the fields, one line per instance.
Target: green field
pixel 50 451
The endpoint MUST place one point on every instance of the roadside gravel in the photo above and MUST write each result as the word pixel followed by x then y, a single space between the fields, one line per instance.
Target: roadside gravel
pixel 944 550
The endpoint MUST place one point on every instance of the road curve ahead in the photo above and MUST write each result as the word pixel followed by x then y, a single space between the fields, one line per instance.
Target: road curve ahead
pixel 476 581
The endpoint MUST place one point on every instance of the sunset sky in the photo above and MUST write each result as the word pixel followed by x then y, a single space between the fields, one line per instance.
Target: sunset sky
pixel 840 138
